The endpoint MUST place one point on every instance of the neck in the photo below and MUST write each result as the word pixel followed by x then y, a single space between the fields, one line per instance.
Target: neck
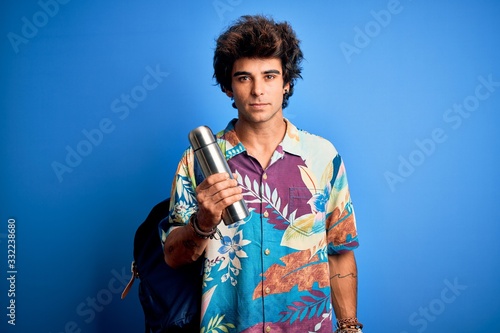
pixel 261 140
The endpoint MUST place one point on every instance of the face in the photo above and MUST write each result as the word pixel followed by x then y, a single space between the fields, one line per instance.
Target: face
pixel 258 88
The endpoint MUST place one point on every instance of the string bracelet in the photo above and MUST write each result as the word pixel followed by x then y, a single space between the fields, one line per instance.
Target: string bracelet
pixel 349 325
pixel 193 221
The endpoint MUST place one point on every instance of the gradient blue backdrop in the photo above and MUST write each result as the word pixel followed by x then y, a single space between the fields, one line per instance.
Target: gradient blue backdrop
pixel 408 91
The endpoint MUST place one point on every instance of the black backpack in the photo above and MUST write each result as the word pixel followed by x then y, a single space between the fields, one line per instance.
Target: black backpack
pixel 170 298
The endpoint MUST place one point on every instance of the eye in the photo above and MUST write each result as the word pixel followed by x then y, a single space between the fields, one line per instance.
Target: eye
pixel 243 78
pixel 270 76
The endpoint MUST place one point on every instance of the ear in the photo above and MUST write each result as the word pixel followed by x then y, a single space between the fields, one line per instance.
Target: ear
pixel 286 87
pixel 229 93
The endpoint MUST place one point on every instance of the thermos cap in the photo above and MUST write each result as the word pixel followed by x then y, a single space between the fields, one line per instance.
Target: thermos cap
pixel 201 137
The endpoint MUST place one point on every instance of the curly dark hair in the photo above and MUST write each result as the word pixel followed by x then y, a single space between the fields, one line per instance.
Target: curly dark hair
pixel 258 37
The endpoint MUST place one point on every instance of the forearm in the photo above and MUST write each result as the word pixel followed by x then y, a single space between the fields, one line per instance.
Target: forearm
pixel 186 244
pixel 182 246
pixel 344 284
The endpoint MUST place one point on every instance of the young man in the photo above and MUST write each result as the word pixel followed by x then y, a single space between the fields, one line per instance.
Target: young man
pixel 284 266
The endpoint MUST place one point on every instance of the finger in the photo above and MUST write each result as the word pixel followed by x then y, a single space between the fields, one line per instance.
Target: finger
pixel 227 196
pixel 219 196
pixel 211 208
pixel 213 179
pixel 213 186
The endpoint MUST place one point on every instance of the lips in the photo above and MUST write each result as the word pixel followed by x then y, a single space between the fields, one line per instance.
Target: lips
pixel 258 105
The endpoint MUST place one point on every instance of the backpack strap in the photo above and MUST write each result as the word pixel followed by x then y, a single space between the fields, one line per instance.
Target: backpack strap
pixel 135 275
pixel 139 242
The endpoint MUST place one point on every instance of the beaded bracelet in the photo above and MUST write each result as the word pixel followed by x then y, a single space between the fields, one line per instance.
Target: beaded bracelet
pixel 348 325
pixel 200 233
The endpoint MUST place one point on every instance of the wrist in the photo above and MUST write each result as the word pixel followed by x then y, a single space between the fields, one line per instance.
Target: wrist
pixel 349 325
pixel 193 222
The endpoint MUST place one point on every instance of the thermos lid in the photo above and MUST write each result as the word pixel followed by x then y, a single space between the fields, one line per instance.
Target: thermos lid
pixel 201 137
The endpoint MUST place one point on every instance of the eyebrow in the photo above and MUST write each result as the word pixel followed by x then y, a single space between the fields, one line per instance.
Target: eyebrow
pixel 270 71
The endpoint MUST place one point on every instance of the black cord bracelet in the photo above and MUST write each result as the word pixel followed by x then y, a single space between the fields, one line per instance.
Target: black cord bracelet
pixel 193 221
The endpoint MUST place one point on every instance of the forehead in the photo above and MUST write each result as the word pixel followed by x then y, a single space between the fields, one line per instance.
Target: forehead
pixel 256 65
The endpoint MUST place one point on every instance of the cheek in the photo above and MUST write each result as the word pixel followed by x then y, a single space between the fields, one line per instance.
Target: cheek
pixel 238 93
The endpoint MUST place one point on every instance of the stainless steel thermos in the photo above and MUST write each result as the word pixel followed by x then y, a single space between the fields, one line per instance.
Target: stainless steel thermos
pixel 211 160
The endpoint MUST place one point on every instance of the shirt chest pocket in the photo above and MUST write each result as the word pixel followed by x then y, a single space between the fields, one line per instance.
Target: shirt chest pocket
pixel 300 200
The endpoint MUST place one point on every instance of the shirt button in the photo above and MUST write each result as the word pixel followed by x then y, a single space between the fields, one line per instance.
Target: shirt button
pixel 266 214
pixel 267 252
pixel 264 176
pixel 267 290
pixel 268 329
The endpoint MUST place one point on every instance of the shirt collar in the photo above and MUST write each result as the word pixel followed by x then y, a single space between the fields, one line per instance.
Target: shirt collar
pixel 232 146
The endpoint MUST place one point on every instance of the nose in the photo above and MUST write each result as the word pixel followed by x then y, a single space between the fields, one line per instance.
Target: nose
pixel 257 88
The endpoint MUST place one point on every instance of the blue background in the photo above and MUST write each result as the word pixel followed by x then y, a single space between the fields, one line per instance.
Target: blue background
pixel 383 80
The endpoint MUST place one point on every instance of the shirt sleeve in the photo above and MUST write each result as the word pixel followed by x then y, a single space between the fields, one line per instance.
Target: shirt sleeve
pixel 182 196
pixel 341 221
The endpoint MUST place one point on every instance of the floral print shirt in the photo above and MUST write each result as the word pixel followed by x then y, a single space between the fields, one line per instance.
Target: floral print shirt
pixel 269 272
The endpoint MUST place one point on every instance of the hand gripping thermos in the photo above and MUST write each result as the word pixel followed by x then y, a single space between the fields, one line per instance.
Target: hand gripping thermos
pixel 211 160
